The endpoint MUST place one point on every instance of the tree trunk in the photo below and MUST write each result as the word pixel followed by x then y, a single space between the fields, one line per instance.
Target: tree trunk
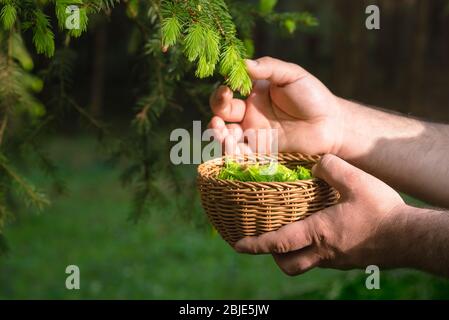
pixel 418 55
pixel 98 75
pixel 349 47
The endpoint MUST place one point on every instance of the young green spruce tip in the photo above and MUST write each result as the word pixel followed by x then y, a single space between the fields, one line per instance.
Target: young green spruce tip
pixel 208 37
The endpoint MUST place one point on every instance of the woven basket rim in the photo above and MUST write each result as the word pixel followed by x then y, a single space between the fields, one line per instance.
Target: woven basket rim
pixel 253 184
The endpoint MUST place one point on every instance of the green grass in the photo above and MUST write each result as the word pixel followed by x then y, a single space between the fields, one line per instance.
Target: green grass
pixel 165 256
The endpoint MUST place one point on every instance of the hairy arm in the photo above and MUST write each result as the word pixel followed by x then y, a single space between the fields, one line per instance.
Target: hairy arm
pixel 426 246
pixel 370 225
pixel 406 153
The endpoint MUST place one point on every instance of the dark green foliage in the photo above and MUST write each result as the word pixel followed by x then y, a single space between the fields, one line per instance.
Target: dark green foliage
pixel 3 245
pixel 26 190
pixel 174 40
pixel 8 15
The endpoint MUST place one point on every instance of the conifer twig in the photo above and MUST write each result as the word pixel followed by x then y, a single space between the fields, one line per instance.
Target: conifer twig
pixel 3 128
pixel 38 199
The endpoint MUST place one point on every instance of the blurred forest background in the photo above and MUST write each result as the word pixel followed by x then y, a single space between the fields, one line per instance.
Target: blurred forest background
pixel 171 253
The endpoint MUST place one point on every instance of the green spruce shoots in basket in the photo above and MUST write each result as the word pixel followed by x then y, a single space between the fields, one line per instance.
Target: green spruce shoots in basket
pixel 272 172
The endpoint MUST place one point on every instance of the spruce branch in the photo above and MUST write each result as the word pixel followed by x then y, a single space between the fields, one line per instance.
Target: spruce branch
pixel 43 36
pixel 32 196
pixel 3 126
pixel 18 88
pixel 62 15
pixel 8 15
pixel 207 33
pixel 97 124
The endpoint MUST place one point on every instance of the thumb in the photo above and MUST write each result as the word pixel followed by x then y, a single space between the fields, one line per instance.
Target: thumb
pixel 339 174
pixel 276 71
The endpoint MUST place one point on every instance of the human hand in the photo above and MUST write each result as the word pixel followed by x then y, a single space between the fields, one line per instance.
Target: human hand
pixel 285 97
pixel 364 228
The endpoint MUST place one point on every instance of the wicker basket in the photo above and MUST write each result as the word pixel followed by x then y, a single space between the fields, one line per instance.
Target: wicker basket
pixel 238 209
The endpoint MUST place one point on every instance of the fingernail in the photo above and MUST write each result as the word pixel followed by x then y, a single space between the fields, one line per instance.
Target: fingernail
pixel 314 169
pixel 251 63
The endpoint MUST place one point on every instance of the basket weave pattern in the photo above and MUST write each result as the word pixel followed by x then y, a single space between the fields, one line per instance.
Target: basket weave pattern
pixel 238 209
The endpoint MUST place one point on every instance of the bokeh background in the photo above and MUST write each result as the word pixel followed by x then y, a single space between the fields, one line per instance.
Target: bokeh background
pixel 172 252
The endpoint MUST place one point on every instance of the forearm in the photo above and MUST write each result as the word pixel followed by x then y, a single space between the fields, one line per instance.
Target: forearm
pixel 408 154
pixel 421 240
